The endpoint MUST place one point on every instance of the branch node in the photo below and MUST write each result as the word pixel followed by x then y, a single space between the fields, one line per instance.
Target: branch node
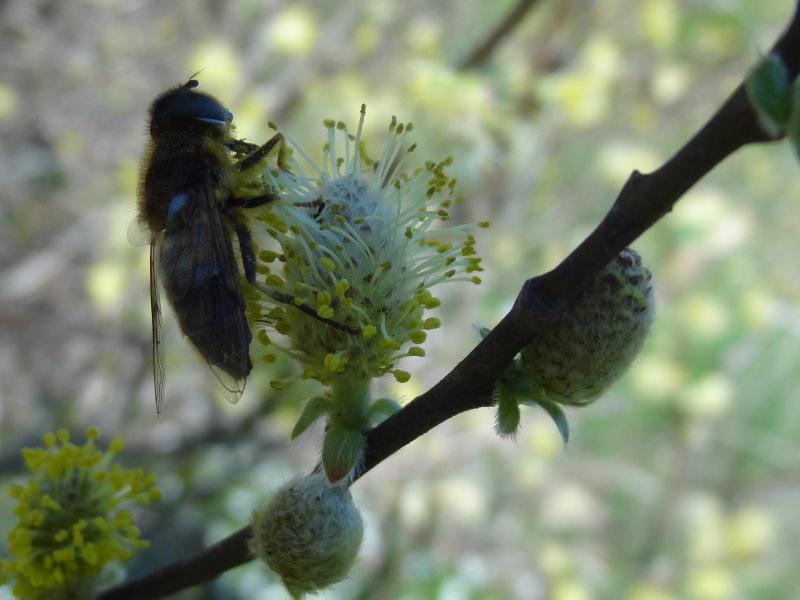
pixel 538 304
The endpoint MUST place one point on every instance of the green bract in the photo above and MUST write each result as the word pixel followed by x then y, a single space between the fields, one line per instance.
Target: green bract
pixel 770 91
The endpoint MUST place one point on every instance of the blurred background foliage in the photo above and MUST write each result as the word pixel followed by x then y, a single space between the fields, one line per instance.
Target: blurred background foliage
pixel 681 483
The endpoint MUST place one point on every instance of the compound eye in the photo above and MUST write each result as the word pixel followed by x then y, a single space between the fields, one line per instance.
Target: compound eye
pixel 199 106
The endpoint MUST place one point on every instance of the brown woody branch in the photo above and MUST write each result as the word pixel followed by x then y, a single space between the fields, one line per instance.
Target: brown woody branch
pixel 483 51
pixel 644 199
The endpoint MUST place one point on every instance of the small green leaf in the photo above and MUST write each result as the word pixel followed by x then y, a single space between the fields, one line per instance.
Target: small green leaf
pixel 341 452
pixel 770 91
pixel 558 416
pixel 382 409
pixel 518 381
pixel 508 415
pixel 315 408
pixel 481 330
pixel 793 129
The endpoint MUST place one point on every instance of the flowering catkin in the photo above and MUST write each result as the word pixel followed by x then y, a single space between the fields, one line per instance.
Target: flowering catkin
pixel 360 243
pixel 73 517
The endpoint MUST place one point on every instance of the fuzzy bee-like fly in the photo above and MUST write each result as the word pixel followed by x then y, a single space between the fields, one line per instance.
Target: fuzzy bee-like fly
pixel 195 182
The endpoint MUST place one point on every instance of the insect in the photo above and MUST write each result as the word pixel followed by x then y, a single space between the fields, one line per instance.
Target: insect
pixel 195 182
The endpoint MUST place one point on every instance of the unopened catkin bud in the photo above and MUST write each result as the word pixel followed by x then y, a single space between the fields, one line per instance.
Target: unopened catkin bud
pixel 309 534
pixel 599 336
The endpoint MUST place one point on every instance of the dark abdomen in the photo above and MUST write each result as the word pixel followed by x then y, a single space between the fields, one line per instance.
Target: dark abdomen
pixel 207 300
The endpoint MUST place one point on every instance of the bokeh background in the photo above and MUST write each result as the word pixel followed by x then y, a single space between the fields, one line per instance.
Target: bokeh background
pixel 683 482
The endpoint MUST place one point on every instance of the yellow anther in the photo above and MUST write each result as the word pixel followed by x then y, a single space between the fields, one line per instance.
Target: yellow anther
pixel 342 286
pixel 274 280
pixel 401 376
pixel 323 298
pixel 419 337
pixel 327 263
pixel 432 323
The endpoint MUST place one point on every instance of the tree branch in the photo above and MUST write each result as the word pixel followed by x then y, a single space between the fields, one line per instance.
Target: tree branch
pixel 643 200
pixel 483 51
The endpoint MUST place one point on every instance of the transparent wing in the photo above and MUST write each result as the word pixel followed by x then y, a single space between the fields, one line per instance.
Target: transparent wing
pixel 159 370
pixel 201 277
pixel 138 233
pixel 230 387
pixel 234 322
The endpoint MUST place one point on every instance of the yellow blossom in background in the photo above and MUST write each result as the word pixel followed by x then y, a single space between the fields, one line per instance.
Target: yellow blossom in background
pixel 570 590
pixel 711 583
pixel 704 315
pixel 708 398
pixel 749 532
pixel 294 31
pixel 670 82
pixel 660 20
pixel 73 517
pixel 657 378
pixel 704 523
pixel 615 160
pixel 543 440
pixel 584 94
pixel 105 285
pixel 648 591
pixel 219 64
pixel 554 559
pixel 8 102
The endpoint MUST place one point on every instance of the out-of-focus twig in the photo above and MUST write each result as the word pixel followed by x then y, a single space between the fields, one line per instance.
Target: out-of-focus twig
pixel 643 200
pixel 34 271
pixel 483 51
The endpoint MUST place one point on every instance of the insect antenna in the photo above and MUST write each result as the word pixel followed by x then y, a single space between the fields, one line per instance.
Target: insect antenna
pixel 287 299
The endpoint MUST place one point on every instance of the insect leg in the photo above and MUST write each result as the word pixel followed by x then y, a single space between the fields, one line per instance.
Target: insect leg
pixel 288 300
pixel 319 204
pixel 240 146
pixel 253 201
pixel 260 153
pixel 246 251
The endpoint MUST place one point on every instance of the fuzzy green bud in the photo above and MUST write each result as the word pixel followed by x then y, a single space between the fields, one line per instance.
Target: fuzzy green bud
pixel 309 534
pixel 599 336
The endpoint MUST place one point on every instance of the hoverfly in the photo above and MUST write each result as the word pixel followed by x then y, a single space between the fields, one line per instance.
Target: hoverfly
pixel 190 205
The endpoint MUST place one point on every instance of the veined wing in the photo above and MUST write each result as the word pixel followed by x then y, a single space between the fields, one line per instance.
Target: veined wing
pixel 159 370
pixel 201 277
pixel 138 233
